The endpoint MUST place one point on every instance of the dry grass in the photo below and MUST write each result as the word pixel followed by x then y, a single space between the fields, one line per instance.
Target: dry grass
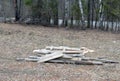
pixel 19 41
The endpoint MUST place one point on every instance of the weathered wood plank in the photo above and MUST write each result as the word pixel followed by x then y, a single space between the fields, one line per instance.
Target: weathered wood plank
pixel 50 56
pixel 73 49
pixel 42 51
pixel 86 49
pixel 27 59
pixel 101 60
pixel 66 56
pixel 34 57
pixel 72 52
pixel 76 62
pixel 31 60
pixel 62 48
pixel 75 55
pixel 56 48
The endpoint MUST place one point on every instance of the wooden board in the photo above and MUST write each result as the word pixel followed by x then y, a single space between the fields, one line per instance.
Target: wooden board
pixel 31 60
pixel 76 62
pixel 56 48
pixel 50 56
pixel 33 57
pixel 72 52
pixel 75 55
pixel 86 49
pixel 42 51
pixel 101 60
pixel 62 48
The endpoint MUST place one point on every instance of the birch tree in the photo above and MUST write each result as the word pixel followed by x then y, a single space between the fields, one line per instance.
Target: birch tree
pixel 101 14
pixel 66 12
pixel 82 14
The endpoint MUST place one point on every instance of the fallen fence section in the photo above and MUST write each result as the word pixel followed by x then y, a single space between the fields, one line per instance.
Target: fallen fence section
pixel 64 55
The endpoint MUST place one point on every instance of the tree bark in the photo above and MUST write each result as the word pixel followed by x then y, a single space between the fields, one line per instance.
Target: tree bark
pixel 88 20
pixel 17 13
pixel 82 13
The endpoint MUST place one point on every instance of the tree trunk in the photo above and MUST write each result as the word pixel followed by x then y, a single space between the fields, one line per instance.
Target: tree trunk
pixel 100 15
pixel 17 13
pixel 3 10
pixel 82 13
pixel 66 12
pixel 88 20
pixel 92 13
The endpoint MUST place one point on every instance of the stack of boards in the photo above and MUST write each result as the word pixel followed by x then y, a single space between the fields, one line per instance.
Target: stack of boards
pixel 64 54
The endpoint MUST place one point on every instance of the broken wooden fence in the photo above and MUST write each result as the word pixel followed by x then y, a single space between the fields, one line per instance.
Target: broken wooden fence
pixel 64 54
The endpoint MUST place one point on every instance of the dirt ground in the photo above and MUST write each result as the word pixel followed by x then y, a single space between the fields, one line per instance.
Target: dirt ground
pixel 20 40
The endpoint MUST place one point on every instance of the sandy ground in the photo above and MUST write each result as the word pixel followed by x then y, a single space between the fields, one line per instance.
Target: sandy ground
pixel 20 40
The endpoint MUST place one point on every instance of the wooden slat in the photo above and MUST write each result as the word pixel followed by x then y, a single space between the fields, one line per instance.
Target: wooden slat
pixel 62 48
pixel 72 49
pixel 76 59
pixel 76 55
pixel 76 62
pixel 86 49
pixel 50 56
pixel 33 57
pixel 101 60
pixel 66 56
pixel 42 51
pixel 72 52
pixel 56 48
pixel 31 60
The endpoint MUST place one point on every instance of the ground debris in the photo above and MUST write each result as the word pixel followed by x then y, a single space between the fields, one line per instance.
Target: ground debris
pixel 64 54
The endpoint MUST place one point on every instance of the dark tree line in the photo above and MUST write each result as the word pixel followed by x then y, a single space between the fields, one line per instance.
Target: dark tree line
pixel 83 14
